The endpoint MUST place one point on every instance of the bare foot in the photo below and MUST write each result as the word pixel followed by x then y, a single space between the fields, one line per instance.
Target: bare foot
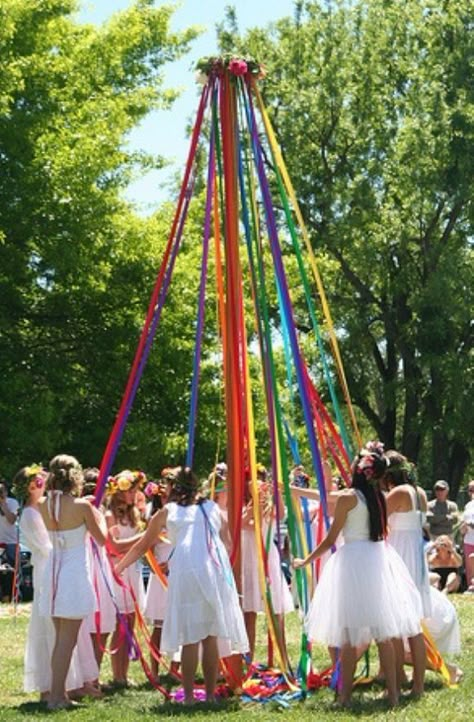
pixel 455 673
pixel 61 704
pixel 92 690
pixel 391 699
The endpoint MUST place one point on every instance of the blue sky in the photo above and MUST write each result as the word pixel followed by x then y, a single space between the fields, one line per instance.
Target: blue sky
pixel 164 132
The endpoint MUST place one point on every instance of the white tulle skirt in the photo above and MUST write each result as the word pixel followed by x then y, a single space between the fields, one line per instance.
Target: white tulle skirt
pixel 365 593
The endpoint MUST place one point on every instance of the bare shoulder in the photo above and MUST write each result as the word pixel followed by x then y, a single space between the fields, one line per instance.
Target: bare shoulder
pixel 347 499
pixel 398 491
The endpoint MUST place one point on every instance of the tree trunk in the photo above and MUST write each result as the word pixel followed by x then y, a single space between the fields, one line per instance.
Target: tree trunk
pixel 459 458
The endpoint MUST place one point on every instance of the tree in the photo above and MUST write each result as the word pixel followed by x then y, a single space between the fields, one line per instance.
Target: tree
pixel 373 107
pixel 76 263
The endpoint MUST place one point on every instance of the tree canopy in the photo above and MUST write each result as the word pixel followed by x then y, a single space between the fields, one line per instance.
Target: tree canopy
pixel 76 262
pixel 373 107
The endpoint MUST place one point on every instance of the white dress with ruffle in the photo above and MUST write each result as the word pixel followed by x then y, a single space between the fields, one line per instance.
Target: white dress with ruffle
pixel 202 596
pixel 406 537
pixel 41 634
pixel 365 592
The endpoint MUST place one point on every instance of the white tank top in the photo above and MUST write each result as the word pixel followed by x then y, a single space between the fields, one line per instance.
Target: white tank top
pixel 357 527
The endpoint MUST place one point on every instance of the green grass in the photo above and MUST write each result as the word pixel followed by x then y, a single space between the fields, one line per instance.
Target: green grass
pixel 439 704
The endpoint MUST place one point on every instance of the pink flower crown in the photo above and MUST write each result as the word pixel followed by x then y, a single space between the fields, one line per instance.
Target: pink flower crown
pixel 373 451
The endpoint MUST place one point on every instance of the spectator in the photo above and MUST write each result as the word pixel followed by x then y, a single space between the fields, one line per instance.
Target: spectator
pixel 467 530
pixel 442 513
pixel 8 529
pixel 446 563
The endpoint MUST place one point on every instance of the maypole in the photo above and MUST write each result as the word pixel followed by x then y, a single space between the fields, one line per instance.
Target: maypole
pixel 248 233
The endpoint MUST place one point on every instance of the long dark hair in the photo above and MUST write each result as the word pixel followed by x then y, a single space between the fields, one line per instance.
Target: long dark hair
pixel 184 486
pixel 369 467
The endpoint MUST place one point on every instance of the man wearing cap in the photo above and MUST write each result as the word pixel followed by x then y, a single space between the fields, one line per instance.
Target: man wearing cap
pixel 442 514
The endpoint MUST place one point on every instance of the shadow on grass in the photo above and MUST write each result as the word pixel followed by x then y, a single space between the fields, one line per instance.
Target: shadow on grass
pixel 179 708
pixel 364 704
pixel 34 709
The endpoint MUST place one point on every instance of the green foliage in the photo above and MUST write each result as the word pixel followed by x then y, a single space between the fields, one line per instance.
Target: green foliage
pixel 76 264
pixel 373 107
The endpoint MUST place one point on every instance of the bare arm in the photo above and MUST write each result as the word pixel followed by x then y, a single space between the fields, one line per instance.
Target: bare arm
pixel 10 516
pixel 423 498
pixel 116 545
pixel 307 493
pixel 331 497
pixel 225 535
pixel 149 538
pixel 345 503
pixel 92 524
pixel 247 516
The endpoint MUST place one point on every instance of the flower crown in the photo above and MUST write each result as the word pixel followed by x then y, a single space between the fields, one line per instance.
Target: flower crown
pixel 124 481
pixel 33 473
pixel 372 452
pixel 408 468
pixel 153 488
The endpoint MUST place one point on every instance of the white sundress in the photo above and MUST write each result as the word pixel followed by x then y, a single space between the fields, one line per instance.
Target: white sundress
pixel 202 596
pixel 406 537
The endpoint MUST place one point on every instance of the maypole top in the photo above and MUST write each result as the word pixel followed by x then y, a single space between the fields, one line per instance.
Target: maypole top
pixel 237 67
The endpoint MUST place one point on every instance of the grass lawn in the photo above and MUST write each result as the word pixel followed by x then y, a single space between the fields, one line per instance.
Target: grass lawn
pixel 440 704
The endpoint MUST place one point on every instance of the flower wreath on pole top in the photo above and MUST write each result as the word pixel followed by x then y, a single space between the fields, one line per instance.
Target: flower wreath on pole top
pixel 237 67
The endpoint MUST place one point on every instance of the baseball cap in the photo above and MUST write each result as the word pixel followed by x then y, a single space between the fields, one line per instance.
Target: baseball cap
pixel 441 484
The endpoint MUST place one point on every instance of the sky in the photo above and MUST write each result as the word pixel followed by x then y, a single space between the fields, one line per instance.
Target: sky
pixel 164 132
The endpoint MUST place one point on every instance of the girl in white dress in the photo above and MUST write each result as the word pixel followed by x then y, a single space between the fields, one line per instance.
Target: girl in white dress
pixel 202 598
pixel 406 510
pixel 102 621
pixel 29 489
pixel 156 598
pixel 252 601
pixel 66 593
pixel 125 527
pixel 365 591
pixel 29 486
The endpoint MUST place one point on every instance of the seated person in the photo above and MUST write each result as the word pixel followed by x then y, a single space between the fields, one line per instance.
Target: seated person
pixel 445 563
